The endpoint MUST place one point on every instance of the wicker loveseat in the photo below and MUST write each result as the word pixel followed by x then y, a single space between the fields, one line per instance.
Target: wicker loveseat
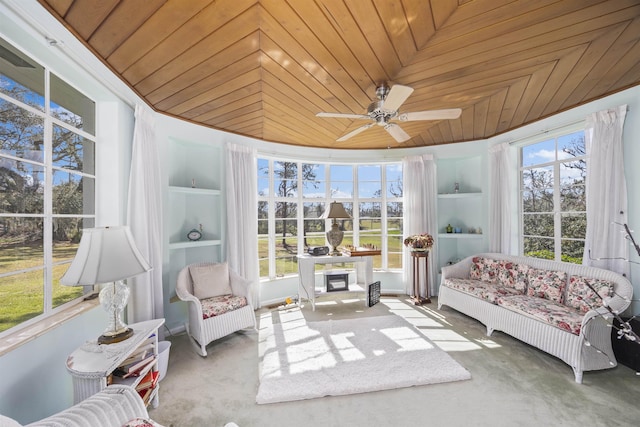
pixel 543 303
pixel 114 406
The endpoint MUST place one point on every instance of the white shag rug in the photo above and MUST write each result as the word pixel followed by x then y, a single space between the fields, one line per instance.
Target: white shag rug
pixel 304 360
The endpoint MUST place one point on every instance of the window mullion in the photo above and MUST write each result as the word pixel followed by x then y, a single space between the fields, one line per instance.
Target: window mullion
pixel 300 211
pixel 271 222
pixel 356 208
pixel 47 235
pixel 557 216
pixel 384 235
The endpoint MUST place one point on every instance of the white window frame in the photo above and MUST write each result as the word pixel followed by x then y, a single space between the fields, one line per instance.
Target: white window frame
pixel 48 216
pixel 271 200
pixel 557 213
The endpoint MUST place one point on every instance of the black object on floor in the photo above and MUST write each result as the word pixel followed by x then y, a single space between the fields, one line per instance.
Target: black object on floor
pixel 374 293
pixel 627 352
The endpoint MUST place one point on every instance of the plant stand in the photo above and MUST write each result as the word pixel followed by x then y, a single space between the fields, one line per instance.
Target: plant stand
pixel 416 256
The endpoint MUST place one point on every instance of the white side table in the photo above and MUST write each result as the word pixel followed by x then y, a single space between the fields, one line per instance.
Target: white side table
pixel 92 364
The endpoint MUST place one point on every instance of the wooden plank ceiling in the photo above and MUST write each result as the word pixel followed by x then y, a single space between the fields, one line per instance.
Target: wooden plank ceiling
pixel 264 68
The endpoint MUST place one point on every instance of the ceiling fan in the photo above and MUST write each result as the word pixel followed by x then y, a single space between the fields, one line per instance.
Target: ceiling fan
pixel 385 109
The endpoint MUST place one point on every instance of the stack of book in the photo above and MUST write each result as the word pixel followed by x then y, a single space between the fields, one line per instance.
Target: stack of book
pixel 147 385
pixel 141 370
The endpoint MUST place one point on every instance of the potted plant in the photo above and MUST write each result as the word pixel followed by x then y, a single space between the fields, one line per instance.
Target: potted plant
pixel 419 242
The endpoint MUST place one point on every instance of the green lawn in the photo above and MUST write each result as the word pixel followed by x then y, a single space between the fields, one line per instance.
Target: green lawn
pixel 286 256
pixel 22 294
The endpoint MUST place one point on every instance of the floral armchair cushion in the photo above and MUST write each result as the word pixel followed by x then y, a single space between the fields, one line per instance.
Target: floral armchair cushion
pixel 484 269
pixel 546 284
pixel 221 304
pixel 581 297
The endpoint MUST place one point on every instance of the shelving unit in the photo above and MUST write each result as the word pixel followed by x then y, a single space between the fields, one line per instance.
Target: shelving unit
pixel 466 209
pixel 460 236
pixel 92 365
pixel 193 200
pixel 195 206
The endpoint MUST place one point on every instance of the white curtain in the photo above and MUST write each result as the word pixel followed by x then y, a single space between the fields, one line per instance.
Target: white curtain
pixel 144 217
pixel 606 192
pixel 242 214
pixel 419 199
pixel 500 204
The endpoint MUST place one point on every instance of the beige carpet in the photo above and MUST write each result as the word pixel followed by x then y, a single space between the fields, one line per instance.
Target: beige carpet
pixel 513 384
pixel 300 359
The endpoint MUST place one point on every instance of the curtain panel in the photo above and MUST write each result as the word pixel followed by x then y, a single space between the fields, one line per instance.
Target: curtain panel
pixel 242 214
pixel 605 243
pixel 144 217
pixel 499 205
pixel 419 200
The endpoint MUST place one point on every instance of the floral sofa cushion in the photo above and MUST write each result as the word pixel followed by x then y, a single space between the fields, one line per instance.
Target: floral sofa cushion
pixel 581 297
pixel 485 269
pixel 513 275
pixel 551 312
pixel 221 304
pixel 546 284
pixel 487 291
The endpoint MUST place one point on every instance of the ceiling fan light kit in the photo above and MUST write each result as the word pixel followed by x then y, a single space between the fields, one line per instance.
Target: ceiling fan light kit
pixel 385 109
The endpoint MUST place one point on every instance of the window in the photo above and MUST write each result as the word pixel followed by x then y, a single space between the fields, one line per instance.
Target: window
pixel 553 199
pixel 47 186
pixel 289 219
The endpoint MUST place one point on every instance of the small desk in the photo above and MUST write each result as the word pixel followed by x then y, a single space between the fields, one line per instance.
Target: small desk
pixel 307 273
pixel 416 256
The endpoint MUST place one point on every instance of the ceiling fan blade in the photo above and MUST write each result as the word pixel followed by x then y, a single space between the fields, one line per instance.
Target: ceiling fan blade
pixel 397 132
pixel 452 113
pixel 343 116
pixel 355 132
pixel 396 97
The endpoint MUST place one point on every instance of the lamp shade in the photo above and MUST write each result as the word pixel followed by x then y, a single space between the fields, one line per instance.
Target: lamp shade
pixel 336 210
pixel 105 255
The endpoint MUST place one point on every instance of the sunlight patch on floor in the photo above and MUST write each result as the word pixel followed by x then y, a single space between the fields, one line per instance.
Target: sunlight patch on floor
pixel 433 325
pixel 449 340
pixel 312 355
pixel 407 339
pixel 488 343
pixel 348 352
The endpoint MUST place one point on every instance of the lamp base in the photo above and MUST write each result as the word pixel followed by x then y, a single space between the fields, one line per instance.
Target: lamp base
pixel 334 237
pixel 115 337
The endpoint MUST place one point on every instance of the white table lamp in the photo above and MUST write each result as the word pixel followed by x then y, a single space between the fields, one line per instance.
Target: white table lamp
pixel 107 254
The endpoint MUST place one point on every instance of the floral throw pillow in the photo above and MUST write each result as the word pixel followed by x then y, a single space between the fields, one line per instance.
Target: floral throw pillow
pixel 581 297
pixel 484 269
pixel 546 284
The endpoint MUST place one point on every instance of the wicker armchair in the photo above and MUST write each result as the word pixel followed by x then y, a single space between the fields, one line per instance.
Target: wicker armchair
pixel 203 329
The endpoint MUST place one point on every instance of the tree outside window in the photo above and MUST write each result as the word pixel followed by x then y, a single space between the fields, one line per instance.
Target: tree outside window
pixel 292 196
pixel 47 186
pixel 553 198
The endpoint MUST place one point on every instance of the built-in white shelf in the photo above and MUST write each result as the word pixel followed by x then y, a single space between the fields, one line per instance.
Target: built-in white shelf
pixel 458 195
pixel 191 190
pixel 459 236
pixel 194 244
